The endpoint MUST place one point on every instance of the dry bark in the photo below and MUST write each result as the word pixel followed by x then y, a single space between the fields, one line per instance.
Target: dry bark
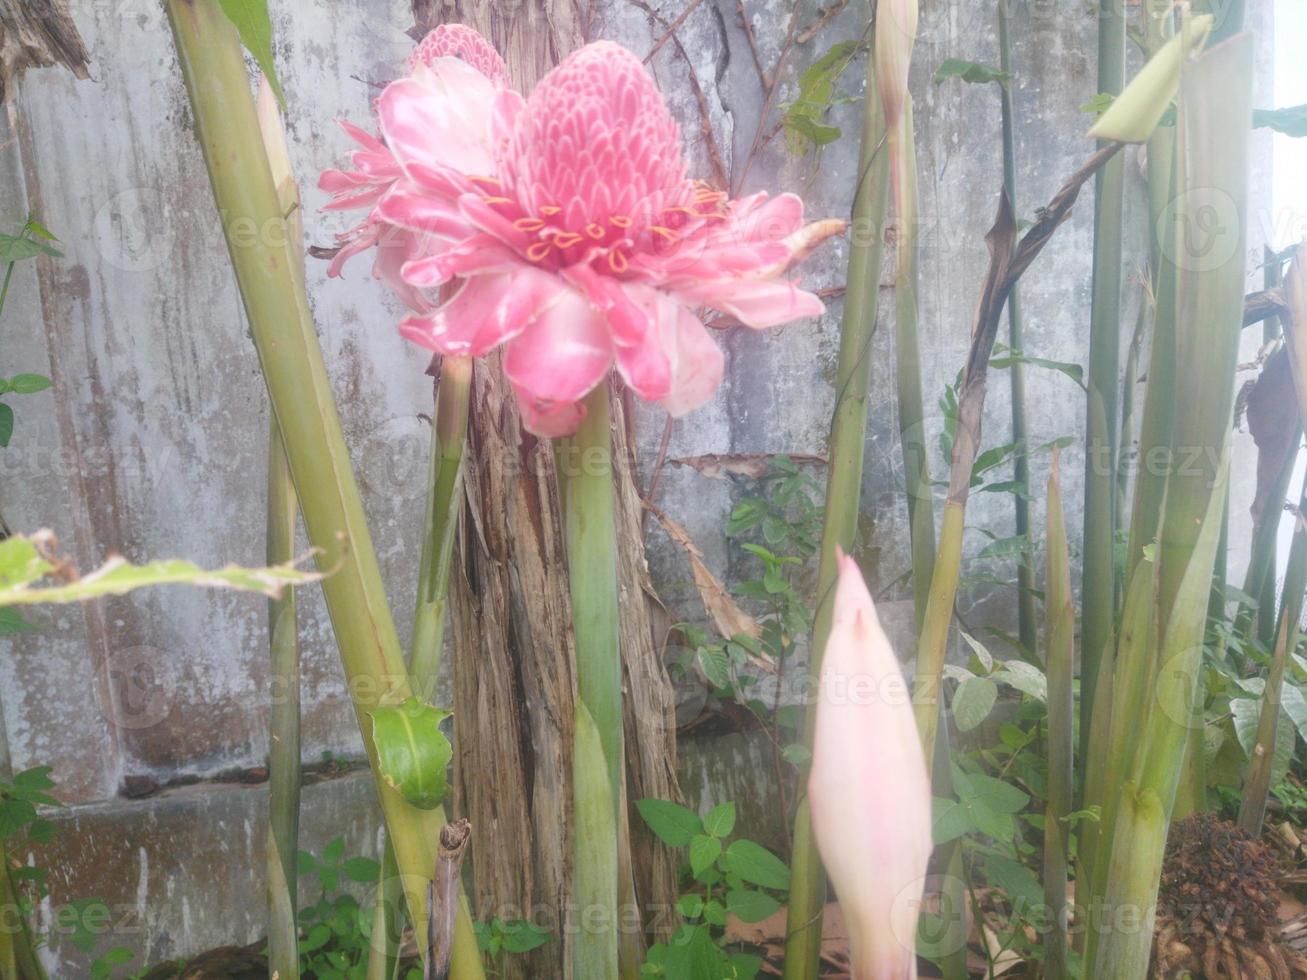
pixel 512 654
pixel 35 34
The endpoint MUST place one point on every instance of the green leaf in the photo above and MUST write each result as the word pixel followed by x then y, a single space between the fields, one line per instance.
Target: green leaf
pixel 1291 120
pixel 363 870
pixel 715 913
pixel 999 796
pixel 1017 882
pixel 16 248
pixel 305 863
pixel 748 905
pixel 1073 371
pixel 412 751
pixel 796 754
pixel 28 384
pixel 744 966
pixel 1026 678
pixel 754 863
pixel 255 28
pixel 25 561
pixel 969 72
pixel 716 666
pixel 6 424
pixel 950 820
pixel 11 622
pixel 1099 104
pixel 671 822
pixel 973 701
pixel 720 820
pixel 690 906
pixel 704 851
pixel 334 851
pixel 1135 113
pixel 15 815
pixel 521 936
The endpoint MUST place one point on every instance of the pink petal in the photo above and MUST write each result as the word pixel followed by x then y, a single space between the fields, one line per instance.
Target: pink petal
pixel 439 118
pixel 754 302
pixel 478 255
pixel 697 362
pixel 549 421
pixel 363 137
pixel 409 207
pixel 485 312
pixel 562 354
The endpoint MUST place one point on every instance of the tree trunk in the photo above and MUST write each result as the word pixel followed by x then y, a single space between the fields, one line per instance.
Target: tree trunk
pixel 512 655
pixel 34 34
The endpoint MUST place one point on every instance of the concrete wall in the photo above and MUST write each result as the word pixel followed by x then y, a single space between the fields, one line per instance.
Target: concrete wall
pixel 152 442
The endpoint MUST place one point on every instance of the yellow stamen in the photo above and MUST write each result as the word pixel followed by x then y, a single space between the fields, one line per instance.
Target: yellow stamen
pixel 667 233
pixel 567 239
pixel 528 224
pixel 538 251
pixel 594 231
pixel 497 200
pixel 617 261
pixel 549 210
pixel 620 221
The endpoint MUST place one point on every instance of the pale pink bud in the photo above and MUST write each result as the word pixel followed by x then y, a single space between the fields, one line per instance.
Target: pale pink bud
pixel 869 789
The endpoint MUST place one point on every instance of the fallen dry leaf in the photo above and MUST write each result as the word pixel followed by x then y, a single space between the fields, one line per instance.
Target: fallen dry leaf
pixel 724 611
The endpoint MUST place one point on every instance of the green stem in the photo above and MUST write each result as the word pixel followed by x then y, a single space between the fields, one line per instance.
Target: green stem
pixel 1099 588
pixel 1252 809
pixel 586 468
pixel 444 478
pixel 18 955
pixel 1027 614
pixel 840 521
pixel 213 66
pixel 448 438
pixel 1060 612
pixel 284 747
pixel 4 288
pixel 907 353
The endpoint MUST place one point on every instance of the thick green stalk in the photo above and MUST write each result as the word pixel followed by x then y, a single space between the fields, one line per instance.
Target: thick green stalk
pixel 444 478
pixel 213 65
pixel 907 352
pixel 1027 613
pixel 840 521
pixel 18 956
pixel 933 643
pixel 1252 808
pixel 1060 628
pixel 594 875
pixel 1124 458
pixel 1215 100
pixel 1122 930
pixel 284 746
pixel 586 466
pixel 448 437
pixel 283 623
pixel 1099 588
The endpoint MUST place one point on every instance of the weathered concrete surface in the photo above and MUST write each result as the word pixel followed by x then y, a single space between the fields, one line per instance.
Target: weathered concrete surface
pixel 184 872
pixel 152 442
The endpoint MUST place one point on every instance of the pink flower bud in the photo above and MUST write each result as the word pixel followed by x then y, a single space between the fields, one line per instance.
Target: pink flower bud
pixel 869 789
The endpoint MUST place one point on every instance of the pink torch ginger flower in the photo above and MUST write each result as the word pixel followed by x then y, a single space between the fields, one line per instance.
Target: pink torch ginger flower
pixel 869 789
pixel 564 228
